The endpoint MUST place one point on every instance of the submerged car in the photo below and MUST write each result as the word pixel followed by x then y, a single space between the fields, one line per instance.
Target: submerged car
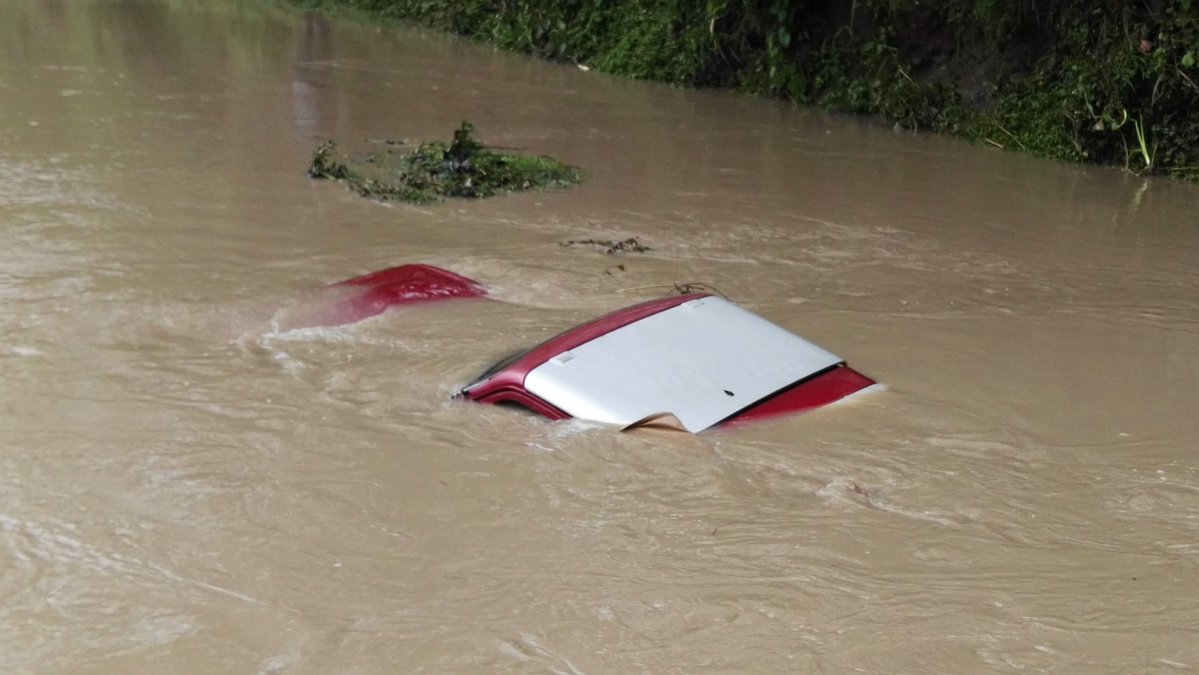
pixel 692 361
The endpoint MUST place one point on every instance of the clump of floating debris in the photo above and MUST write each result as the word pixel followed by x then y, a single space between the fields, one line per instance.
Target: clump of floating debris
pixel 630 245
pixel 434 170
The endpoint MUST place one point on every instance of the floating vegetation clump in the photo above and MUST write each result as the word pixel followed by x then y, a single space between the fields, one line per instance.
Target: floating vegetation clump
pixel 434 170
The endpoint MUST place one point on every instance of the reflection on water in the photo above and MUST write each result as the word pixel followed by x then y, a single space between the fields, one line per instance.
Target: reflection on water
pixel 311 78
pixel 188 483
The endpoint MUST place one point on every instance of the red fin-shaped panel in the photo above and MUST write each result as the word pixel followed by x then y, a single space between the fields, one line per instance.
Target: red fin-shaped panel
pixel 403 285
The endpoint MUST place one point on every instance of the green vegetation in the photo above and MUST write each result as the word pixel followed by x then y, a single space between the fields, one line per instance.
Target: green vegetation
pixel 1117 88
pixel 434 170
pixel 1111 82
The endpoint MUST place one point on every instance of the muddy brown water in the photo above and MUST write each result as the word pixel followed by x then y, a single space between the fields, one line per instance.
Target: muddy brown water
pixel 188 483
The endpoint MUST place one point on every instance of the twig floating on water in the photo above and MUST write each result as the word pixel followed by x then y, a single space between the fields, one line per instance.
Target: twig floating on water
pixel 630 245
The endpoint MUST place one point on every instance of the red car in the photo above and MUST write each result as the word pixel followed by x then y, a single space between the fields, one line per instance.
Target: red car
pixel 692 361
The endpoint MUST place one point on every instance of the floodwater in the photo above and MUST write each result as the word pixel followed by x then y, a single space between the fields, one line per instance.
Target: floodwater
pixel 191 484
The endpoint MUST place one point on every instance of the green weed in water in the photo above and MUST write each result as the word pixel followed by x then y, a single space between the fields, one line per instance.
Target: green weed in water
pixel 434 170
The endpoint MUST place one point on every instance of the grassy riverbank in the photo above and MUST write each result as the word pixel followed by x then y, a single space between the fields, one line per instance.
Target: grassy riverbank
pixel 1113 82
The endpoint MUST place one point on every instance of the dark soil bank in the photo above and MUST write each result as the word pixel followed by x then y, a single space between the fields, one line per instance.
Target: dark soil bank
pixel 1112 82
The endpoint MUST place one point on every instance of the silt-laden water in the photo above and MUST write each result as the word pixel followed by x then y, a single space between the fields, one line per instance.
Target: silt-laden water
pixel 191 483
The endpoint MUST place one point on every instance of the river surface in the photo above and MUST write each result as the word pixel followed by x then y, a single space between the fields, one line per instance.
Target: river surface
pixel 190 483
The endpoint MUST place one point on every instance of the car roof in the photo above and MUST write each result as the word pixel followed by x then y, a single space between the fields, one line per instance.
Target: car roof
pixel 698 357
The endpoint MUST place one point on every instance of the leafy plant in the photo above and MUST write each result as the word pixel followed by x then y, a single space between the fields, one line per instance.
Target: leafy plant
pixel 434 170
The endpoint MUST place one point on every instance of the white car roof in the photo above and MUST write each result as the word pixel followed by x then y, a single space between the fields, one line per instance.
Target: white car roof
pixel 703 361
